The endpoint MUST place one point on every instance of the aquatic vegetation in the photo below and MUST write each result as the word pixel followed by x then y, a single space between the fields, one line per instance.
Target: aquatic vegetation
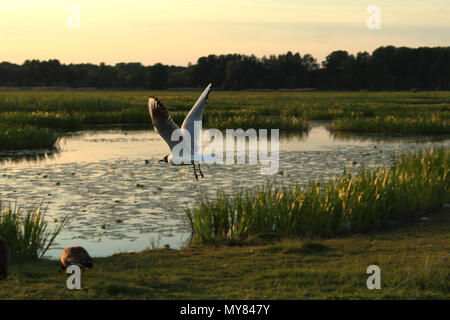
pixel 383 112
pixel 247 121
pixel 52 120
pixel 426 124
pixel 26 233
pixel 367 200
pixel 26 137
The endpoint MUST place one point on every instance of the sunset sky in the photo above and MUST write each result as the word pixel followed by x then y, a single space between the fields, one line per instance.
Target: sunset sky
pixel 180 31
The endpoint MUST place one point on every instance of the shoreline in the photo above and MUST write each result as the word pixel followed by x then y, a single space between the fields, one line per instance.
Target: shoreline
pixel 291 269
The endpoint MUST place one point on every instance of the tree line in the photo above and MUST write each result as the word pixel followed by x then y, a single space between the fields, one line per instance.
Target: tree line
pixel 386 68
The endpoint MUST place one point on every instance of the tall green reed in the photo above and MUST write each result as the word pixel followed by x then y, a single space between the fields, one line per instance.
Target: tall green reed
pixel 26 137
pixel 436 123
pixel 367 200
pixel 27 233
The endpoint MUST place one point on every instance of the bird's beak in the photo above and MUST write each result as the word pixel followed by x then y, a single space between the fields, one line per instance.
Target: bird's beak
pixel 162 160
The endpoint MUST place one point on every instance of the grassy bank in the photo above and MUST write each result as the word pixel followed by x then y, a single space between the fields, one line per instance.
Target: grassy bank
pixel 26 137
pixel 368 200
pixel 384 112
pixel 291 269
pixel 422 123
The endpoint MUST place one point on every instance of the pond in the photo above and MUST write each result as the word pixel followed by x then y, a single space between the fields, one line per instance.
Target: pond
pixel 119 202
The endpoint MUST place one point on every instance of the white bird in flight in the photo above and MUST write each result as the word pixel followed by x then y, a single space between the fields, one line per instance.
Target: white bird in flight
pixel 165 126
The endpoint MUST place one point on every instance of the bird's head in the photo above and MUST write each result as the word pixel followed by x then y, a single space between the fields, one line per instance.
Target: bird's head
pixel 164 159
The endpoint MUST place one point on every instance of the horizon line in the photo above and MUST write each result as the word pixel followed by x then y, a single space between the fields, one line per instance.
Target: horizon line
pixel 221 54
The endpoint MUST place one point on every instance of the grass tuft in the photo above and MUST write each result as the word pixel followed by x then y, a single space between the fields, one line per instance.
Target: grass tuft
pixel 27 137
pixel 26 233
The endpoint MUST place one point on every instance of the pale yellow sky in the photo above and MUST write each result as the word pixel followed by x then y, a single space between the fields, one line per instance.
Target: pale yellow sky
pixel 178 32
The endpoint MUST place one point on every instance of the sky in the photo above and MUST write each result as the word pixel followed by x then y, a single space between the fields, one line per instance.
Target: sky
pixel 180 31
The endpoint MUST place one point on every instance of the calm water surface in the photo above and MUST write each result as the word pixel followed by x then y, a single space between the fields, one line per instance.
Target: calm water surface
pixel 117 202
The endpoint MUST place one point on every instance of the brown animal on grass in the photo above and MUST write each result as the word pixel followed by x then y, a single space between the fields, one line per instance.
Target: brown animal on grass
pixel 75 256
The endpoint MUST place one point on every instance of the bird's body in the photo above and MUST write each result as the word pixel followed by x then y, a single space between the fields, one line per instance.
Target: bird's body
pixel 76 256
pixel 5 259
pixel 193 158
pixel 169 131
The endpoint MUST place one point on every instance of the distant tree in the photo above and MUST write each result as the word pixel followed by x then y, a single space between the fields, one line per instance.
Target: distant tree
pixel 386 68
pixel 178 77
pixel 157 76
pixel 131 75
pixel 106 76
pixel 339 69
pixel 243 73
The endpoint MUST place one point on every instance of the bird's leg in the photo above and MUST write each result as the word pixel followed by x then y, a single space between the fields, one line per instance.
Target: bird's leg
pixel 200 170
pixel 195 172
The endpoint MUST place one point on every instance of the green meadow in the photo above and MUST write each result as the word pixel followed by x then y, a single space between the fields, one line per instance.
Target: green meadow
pixel 333 268
pixel 70 110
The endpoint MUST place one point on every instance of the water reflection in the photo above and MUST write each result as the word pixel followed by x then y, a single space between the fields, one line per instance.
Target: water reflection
pixel 28 156
pixel 117 201
pixel 379 137
pixel 85 144
pixel 294 135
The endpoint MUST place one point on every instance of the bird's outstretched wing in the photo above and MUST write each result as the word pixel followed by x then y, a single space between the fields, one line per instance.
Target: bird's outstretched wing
pixel 162 121
pixel 196 112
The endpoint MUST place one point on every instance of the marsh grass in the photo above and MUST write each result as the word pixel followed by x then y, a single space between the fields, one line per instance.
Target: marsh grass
pixel 26 137
pixel 27 233
pixel 366 201
pixel 424 124
pixel 382 112
pixel 247 121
